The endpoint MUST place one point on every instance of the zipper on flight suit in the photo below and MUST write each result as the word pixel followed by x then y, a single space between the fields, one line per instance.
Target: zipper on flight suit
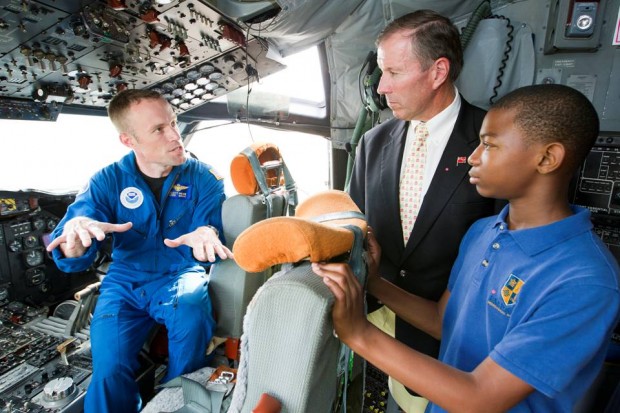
pixel 161 210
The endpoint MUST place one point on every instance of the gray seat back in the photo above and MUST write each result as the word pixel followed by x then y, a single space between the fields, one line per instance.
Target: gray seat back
pixel 288 347
pixel 231 287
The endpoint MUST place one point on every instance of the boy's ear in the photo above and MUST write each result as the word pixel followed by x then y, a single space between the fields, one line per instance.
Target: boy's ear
pixel 553 155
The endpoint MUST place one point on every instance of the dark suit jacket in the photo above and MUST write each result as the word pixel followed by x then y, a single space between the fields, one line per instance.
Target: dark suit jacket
pixel 450 206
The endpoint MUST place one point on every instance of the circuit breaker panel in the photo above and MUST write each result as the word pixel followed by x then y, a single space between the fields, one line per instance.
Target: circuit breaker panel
pixel 55 52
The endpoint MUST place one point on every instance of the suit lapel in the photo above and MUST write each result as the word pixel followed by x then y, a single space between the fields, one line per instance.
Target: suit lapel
pixel 447 177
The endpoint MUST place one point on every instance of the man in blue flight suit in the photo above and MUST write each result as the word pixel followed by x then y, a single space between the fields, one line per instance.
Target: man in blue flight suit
pixel 163 210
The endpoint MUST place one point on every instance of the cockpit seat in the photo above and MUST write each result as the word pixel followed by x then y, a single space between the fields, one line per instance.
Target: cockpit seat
pixel 288 348
pixel 266 189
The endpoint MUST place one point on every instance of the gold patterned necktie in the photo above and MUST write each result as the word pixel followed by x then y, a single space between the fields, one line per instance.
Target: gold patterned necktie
pixel 410 193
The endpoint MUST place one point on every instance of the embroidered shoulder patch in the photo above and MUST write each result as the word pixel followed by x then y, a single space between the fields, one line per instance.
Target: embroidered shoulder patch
pixel 216 174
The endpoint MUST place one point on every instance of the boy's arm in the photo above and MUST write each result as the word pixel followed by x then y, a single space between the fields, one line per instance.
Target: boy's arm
pixel 488 388
pixel 426 315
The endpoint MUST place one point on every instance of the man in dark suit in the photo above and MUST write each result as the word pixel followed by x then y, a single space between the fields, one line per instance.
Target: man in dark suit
pixel 420 56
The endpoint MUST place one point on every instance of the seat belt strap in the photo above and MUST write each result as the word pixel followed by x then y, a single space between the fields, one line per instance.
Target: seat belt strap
pixel 358 266
pixel 198 398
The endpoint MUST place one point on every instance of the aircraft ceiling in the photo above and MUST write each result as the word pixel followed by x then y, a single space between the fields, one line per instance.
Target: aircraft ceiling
pixel 80 53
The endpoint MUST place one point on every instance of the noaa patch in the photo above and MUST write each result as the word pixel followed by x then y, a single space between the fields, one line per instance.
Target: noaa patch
pixel 511 289
pixel 132 197
pixel 181 191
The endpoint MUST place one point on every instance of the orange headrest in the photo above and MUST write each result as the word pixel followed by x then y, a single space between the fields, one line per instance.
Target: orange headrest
pixel 242 175
pixel 317 233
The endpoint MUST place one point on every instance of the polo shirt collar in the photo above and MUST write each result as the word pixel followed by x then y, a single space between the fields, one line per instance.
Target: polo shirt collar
pixel 536 240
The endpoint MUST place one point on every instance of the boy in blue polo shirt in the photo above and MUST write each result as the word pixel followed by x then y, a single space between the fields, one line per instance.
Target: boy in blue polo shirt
pixel 533 295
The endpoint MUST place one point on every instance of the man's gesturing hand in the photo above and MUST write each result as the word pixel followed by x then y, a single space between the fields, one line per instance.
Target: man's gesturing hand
pixel 204 243
pixel 78 233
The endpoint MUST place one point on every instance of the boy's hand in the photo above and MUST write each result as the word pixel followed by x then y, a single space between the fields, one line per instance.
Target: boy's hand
pixel 373 257
pixel 348 313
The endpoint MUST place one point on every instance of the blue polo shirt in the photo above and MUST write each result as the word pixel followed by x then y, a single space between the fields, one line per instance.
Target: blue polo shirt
pixel 541 302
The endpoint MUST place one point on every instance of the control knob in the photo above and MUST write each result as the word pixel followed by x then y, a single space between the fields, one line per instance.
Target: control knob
pixel 59 389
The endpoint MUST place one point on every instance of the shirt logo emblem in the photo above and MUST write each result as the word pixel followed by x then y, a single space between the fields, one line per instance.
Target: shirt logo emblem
pixel 131 197
pixel 511 289
pixel 181 191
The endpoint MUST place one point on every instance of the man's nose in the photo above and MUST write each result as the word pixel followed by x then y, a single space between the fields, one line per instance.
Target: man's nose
pixel 173 134
pixel 383 87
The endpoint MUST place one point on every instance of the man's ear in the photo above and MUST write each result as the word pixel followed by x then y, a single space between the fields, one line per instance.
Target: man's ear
pixel 126 139
pixel 553 158
pixel 441 71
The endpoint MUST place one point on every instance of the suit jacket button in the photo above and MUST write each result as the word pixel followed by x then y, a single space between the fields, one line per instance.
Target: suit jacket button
pixel 403 273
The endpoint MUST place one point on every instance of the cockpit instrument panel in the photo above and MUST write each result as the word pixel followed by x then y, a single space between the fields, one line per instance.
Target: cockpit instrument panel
pixel 597 187
pixel 66 52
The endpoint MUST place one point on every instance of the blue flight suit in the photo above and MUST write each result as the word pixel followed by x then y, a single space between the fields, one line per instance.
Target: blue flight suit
pixel 147 282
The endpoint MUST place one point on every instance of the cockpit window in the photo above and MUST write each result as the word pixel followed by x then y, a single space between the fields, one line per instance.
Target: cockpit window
pixel 306 156
pixel 296 90
pixel 61 156
pixel 56 156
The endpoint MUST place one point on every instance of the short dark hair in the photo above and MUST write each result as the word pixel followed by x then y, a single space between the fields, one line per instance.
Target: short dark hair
pixel 554 113
pixel 432 36
pixel 123 100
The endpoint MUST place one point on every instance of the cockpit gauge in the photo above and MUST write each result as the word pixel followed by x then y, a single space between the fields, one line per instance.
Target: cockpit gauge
pixel 31 241
pixel 33 257
pixel 51 224
pixel 38 223
pixel 34 276
pixel 15 245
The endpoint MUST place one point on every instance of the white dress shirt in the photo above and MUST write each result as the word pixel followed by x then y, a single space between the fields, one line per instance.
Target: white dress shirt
pixel 439 130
